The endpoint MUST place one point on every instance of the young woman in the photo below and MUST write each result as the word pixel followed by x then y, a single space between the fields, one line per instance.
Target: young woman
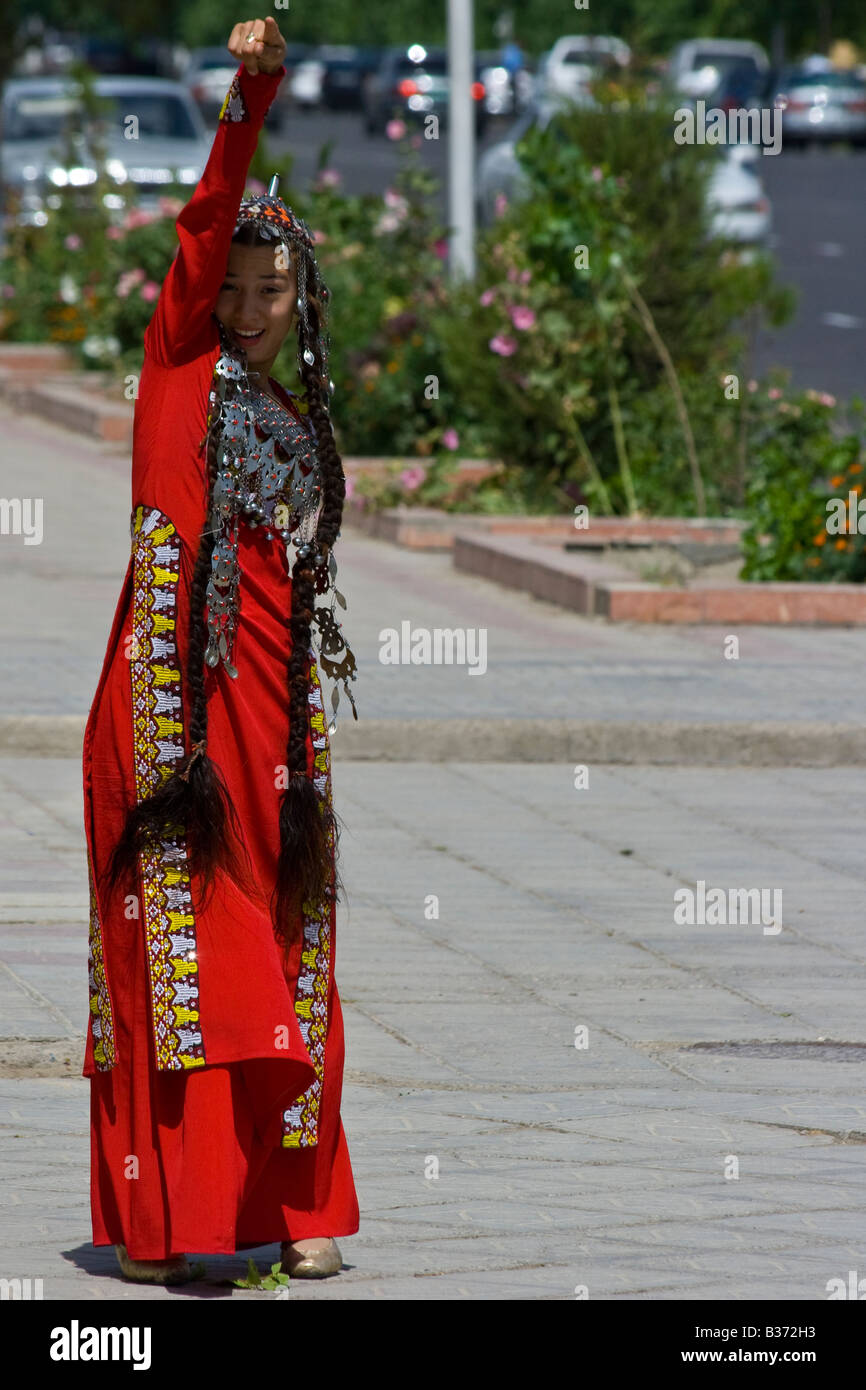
pixel 215 1045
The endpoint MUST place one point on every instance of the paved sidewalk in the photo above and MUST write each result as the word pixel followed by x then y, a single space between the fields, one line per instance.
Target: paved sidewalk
pixel 558 1166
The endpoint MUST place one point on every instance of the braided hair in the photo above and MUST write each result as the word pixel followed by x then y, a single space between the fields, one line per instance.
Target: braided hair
pixel 194 795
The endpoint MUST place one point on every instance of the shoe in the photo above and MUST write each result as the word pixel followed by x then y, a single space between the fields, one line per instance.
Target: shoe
pixel 174 1270
pixel 317 1263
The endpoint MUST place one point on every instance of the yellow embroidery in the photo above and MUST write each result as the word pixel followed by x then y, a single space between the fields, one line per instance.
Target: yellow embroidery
pixel 168 919
pixel 301 1120
pixel 101 1017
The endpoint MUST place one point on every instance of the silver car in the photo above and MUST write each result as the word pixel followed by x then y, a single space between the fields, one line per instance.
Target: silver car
pixel 153 136
pixel 821 106
pixel 739 209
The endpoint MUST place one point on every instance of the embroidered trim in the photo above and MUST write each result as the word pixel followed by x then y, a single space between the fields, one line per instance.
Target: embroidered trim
pixel 233 108
pixel 101 1016
pixel 157 716
pixel 301 1120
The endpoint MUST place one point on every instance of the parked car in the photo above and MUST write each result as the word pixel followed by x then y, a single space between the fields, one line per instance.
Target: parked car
pixel 697 66
pixel 821 106
pixel 305 84
pixel 506 93
pixel 346 70
pixel 208 77
pixel 741 87
pixel 739 208
pixel 575 62
pixel 172 145
pixel 412 83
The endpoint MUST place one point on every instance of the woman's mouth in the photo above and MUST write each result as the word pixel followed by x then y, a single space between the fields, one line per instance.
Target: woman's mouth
pixel 247 339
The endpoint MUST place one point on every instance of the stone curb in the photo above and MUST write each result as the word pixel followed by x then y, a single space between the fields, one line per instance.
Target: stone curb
pixel 594 587
pixel 570 741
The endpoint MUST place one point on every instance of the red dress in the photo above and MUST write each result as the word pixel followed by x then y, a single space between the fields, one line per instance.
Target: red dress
pixel 216 1073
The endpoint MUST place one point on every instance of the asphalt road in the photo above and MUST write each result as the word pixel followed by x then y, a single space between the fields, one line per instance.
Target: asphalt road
pixel 819 213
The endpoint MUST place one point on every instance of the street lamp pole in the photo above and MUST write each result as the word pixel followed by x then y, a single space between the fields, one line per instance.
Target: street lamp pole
pixel 461 139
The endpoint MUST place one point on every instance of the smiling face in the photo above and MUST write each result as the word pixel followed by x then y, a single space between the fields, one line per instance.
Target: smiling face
pixel 257 301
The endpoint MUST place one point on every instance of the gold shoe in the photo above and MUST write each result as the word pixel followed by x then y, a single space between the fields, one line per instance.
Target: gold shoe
pixel 317 1263
pixel 172 1271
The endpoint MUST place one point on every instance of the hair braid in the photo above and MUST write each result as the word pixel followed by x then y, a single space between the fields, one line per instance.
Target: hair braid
pixel 308 823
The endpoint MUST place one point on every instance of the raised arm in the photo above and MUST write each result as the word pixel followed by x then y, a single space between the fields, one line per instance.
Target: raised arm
pixel 206 225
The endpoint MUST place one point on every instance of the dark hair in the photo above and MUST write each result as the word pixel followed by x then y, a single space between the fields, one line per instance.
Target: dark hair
pixel 195 794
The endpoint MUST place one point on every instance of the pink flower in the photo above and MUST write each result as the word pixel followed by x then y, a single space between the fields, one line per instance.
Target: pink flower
pixel 128 280
pixel 256 186
pixel 72 242
pixel 412 478
pixel 170 207
pixel 328 178
pixel 319 237
pixel 512 273
pixel 826 399
pixel 137 217
pixel 440 248
pixel 597 175
pixel 753 386
pixel 487 297
pixel 502 344
pixel 149 291
pixel 522 316
pixel 450 438
pixel 525 277
pixel 350 488
pixel 774 393
pixel 395 130
pixel 500 204
pixel 114 233
pixel 8 291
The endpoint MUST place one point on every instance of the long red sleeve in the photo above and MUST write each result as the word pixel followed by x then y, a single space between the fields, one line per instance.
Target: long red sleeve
pixel 206 225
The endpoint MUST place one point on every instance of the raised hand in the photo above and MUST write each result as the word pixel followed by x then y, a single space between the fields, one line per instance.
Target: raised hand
pixel 258 44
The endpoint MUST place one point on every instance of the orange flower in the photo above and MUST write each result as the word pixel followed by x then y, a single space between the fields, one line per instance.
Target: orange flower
pixel 841 545
pixel 821 538
pixel 855 468
pixel 837 481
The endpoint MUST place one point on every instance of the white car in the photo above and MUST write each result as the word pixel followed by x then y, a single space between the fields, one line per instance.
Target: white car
pixel 172 144
pixel 573 63
pixel 696 66
pixel 740 210
pixel 306 84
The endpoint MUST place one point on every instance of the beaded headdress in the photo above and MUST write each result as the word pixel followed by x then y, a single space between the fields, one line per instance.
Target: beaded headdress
pixel 275 482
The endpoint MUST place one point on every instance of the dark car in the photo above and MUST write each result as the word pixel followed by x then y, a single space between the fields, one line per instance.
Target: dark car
pixel 740 87
pixel 412 83
pixel 346 74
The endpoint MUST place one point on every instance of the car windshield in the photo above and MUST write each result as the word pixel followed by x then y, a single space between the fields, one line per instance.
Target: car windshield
pixel 723 62
pixel 436 67
pixel 590 58
pixel 45 116
pixel 799 78
pixel 218 59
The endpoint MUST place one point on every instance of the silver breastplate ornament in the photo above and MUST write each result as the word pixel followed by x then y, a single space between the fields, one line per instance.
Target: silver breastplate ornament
pixel 267 475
